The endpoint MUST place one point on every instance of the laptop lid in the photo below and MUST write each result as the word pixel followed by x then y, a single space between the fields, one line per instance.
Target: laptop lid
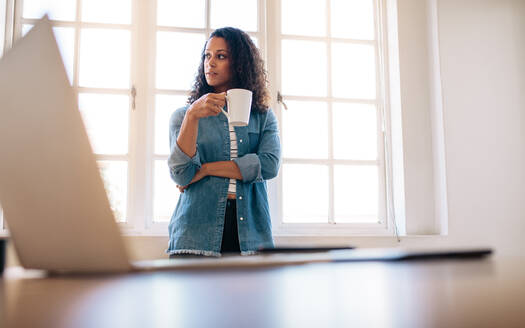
pixel 51 191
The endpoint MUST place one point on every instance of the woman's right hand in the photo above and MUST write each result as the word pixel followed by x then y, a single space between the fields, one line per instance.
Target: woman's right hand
pixel 209 104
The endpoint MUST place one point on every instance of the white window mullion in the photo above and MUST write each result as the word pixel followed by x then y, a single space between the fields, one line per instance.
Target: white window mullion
pixel 3 24
pixel 331 214
pixel 6 22
pixel 333 99
pixel 57 23
pixel 138 164
pixel 134 182
pixel 261 29
pixel 5 43
pixel 208 18
pixel 380 110
pixel 321 39
pixel 17 20
pixel 166 91
pixel 386 174
pixel 330 161
pixel 148 38
pixel 272 55
pixel 76 63
pixel 102 90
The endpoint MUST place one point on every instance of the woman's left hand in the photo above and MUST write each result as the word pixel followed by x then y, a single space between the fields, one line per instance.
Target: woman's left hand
pixel 198 176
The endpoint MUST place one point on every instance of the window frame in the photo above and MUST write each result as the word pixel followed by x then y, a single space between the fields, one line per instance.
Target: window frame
pixel 419 207
pixel 6 39
pixel 155 227
pixel 141 155
pixel 384 226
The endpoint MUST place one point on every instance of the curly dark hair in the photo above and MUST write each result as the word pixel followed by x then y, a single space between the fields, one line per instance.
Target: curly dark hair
pixel 247 69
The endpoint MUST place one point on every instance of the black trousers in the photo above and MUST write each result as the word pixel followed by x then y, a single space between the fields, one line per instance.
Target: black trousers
pixel 230 234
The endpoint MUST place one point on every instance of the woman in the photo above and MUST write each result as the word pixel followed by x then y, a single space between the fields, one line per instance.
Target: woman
pixel 221 170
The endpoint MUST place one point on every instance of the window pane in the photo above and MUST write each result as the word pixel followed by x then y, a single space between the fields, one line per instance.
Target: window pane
pixel 235 13
pixel 166 194
pixel 115 176
pixel 305 193
pixel 301 17
pixel 107 120
pixel 353 19
pixel 64 10
pixel 255 41
pixel 356 193
pixel 103 11
pixel 305 130
pixel 355 131
pixel 26 28
pixel 178 58
pixel 181 13
pixel 65 37
pixel 354 71
pixel 104 58
pixel 300 75
pixel 165 106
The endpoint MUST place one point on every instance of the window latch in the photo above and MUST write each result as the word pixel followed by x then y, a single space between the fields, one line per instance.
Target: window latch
pixel 133 95
pixel 280 100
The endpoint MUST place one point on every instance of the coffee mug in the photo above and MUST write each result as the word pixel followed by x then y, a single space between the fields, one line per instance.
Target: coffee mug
pixel 239 103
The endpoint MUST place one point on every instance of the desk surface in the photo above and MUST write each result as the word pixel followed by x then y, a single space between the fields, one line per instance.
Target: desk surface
pixel 441 293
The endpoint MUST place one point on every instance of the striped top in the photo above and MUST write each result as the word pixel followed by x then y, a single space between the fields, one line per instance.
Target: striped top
pixel 233 154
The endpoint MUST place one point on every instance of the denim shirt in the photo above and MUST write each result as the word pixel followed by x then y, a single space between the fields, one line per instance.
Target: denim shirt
pixel 197 223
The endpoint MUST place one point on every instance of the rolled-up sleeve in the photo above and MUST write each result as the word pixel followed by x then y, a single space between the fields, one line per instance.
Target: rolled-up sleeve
pixel 264 164
pixel 182 167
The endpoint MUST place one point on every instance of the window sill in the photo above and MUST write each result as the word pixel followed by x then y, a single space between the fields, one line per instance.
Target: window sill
pixel 362 240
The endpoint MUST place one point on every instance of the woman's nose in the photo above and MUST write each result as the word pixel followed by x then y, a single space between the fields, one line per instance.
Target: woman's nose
pixel 211 62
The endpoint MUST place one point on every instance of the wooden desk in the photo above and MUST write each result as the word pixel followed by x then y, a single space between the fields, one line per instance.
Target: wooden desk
pixel 446 293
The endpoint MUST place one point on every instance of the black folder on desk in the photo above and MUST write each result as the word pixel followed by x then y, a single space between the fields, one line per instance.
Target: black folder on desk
pixel 350 254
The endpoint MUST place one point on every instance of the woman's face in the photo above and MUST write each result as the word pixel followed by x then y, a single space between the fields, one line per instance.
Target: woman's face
pixel 217 64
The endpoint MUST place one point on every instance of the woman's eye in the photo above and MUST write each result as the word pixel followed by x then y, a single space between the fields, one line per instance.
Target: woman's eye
pixel 207 56
pixel 221 56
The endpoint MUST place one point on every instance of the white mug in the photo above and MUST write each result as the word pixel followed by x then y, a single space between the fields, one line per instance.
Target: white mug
pixel 239 102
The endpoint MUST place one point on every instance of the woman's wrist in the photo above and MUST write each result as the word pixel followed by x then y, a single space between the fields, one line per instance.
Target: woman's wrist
pixel 205 169
pixel 190 115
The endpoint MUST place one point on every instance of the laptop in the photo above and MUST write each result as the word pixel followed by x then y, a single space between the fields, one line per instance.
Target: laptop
pixel 51 191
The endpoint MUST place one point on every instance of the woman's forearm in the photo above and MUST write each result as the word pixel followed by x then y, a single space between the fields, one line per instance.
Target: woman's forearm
pixel 225 169
pixel 187 139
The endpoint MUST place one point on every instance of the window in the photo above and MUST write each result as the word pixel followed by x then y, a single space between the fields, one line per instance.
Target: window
pixel 95 41
pixel 330 74
pixel 132 64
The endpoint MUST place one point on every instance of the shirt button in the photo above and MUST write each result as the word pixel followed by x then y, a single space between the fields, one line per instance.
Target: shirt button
pixel 240 197
pixel 242 219
pixel 240 140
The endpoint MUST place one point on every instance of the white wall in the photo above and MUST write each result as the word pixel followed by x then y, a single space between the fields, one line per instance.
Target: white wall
pixel 482 48
pixel 415 80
